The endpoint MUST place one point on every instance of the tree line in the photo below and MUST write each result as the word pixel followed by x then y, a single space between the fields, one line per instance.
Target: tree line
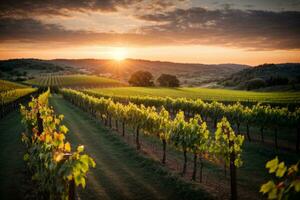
pixel 145 79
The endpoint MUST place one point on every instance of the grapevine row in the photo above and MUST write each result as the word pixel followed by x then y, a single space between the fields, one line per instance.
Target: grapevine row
pixel 10 100
pixel 55 168
pixel 259 115
pixel 187 136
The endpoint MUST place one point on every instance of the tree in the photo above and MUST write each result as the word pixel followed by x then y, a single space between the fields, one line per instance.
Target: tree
pixel 255 83
pixel 167 80
pixel 141 78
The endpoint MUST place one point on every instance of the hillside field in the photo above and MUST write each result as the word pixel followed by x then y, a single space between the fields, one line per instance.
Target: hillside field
pixel 74 81
pixel 205 94
pixel 8 85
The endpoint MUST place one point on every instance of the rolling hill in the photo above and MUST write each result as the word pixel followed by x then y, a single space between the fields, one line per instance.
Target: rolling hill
pixel 23 69
pixel 266 77
pixel 189 74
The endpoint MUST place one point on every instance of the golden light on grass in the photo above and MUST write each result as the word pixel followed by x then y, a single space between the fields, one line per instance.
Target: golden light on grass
pixel 119 54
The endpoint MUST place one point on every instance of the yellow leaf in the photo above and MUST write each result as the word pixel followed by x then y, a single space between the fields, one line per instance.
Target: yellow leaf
pixel 80 148
pixel 70 177
pixel 67 147
pixel 58 156
pixel 296 185
pixel 272 165
pixel 61 117
pixel 265 188
pixel 281 169
pixel 292 169
pixel 61 145
pixel 63 129
pixel 273 194
pixel 48 138
pixel 61 137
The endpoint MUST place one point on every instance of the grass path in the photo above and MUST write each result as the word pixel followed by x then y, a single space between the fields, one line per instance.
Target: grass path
pixel 120 173
pixel 11 157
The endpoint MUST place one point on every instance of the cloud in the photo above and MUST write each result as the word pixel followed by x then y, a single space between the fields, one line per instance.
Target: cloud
pixel 29 8
pixel 253 29
pixel 32 31
pixel 247 29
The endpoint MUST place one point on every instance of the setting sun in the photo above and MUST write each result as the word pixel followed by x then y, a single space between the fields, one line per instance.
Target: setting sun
pixel 119 54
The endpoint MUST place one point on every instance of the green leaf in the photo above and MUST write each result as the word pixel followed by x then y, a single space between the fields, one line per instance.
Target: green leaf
pixel 26 157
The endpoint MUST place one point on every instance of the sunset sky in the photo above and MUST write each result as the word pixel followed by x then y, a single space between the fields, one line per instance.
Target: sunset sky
pixel 194 31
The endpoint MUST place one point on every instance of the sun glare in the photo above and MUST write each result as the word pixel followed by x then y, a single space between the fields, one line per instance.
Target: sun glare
pixel 119 54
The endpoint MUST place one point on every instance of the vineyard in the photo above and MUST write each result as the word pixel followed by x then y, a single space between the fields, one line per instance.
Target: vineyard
pixel 205 94
pixel 7 85
pixel 11 94
pixel 55 168
pixel 82 81
pixel 190 136
pixel 186 145
pixel 259 116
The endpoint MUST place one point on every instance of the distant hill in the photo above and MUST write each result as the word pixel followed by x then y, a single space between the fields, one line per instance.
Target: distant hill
pixel 188 74
pixel 23 69
pixel 284 76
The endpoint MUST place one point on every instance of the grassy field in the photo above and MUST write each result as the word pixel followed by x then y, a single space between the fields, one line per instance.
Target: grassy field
pixel 205 94
pixel 74 81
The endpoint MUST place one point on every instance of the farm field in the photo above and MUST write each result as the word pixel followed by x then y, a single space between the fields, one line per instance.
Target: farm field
pixel 79 122
pixel 286 138
pixel 74 81
pixel 121 172
pixel 150 100
pixel 7 85
pixel 256 151
pixel 12 95
pixel 121 168
pixel 204 94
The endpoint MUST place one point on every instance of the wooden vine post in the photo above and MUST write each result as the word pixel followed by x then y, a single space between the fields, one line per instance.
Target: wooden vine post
pixel 137 140
pixel 232 172
pixel 71 192
pixel 39 123
pixel 123 128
